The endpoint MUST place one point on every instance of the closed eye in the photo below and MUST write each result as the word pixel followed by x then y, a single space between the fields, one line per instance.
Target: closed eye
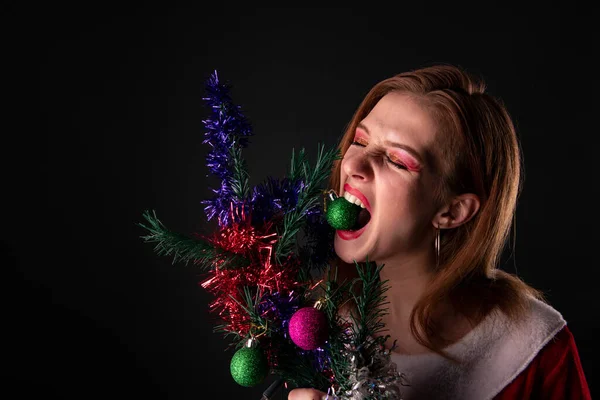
pixel 397 165
pixel 388 159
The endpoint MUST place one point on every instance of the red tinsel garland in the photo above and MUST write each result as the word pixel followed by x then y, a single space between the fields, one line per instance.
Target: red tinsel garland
pixel 226 284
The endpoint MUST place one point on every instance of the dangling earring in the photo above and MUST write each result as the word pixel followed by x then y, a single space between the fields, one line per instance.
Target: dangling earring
pixel 437 247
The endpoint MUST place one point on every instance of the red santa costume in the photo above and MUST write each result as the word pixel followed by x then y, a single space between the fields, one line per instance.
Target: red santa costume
pixel 535 359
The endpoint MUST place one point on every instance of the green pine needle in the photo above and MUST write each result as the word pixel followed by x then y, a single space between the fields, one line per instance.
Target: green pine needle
pixel 239 181
pixel 296 164
pixel 309 197
pixel 186 249
pixel 369 302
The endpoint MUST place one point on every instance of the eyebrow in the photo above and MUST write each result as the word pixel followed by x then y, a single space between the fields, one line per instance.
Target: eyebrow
pixel 404 147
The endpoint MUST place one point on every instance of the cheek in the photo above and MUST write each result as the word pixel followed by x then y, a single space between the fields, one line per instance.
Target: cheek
pixel 395 189
pixel 424 193
pixel 402 200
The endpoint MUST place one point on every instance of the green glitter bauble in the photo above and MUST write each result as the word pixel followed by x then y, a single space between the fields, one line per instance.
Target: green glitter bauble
pixel 249 366
pixel 341 214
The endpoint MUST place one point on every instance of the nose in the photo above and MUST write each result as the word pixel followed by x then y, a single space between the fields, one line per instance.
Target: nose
pixel 358 166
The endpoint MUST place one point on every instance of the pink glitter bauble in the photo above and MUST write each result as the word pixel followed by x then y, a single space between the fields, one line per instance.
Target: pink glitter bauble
pixel 309 328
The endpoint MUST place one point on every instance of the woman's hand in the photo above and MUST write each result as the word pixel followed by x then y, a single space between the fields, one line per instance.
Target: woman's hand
pixel 306 394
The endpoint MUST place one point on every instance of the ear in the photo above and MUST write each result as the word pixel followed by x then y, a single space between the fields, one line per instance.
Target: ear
pixel 459 210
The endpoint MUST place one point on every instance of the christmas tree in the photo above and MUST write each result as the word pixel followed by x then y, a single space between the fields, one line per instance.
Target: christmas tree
pixel 271 269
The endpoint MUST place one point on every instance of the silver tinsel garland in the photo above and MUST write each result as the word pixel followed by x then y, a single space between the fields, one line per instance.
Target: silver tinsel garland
pixel 376 380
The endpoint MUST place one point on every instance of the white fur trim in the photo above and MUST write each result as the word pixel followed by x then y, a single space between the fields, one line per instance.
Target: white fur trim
pixel 493 354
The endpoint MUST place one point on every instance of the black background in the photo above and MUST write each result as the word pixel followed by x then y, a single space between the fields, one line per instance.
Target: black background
pixel 103 119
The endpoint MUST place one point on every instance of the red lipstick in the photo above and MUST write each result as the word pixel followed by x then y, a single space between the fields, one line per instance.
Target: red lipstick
pixel 349 235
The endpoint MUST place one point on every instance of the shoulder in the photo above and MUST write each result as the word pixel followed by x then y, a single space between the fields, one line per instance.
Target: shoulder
pixel 555 372
pixel 527 338
pixel 522 339
pixel 506 347
pixel 562 343
pixel 539 326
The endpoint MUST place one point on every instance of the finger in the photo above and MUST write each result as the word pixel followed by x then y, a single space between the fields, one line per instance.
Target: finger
pixel 306 394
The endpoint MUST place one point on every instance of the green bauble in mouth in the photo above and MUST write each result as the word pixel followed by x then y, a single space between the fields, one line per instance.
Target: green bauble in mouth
pixel 343 215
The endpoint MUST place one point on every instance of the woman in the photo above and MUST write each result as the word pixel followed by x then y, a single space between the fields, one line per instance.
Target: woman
pixel 436 163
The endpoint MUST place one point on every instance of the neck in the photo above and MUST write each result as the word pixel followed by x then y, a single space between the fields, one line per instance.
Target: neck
pixel 407 280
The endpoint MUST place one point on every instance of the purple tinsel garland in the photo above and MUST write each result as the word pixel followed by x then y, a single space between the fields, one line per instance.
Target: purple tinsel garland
pixel 229 129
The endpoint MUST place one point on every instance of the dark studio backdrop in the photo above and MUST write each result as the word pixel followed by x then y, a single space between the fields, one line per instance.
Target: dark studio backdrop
pixel 105 118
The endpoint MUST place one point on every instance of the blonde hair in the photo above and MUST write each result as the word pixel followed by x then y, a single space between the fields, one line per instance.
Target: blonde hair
pixel 479 154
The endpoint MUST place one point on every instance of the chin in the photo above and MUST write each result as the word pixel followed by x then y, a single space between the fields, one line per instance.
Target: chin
pixel 347 255
pixel 350 260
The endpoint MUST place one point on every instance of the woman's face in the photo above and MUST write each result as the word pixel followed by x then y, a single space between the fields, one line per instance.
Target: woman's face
pixel 388 168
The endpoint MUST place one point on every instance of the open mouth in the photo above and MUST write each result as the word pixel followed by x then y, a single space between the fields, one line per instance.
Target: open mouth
pixel 364 217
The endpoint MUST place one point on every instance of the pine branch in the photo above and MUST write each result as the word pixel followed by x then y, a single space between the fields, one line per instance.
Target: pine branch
pixel 252 302
pixel 186 249
pixel 223 328
pixel 308 198
pixel 298 371
pixel 296 164
pixel 336 295
pixel 239 181
pixel 249 303
pixel 370 303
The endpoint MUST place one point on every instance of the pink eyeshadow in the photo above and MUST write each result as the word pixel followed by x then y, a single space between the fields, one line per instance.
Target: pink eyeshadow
pixel 406 159
pixel 360 136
